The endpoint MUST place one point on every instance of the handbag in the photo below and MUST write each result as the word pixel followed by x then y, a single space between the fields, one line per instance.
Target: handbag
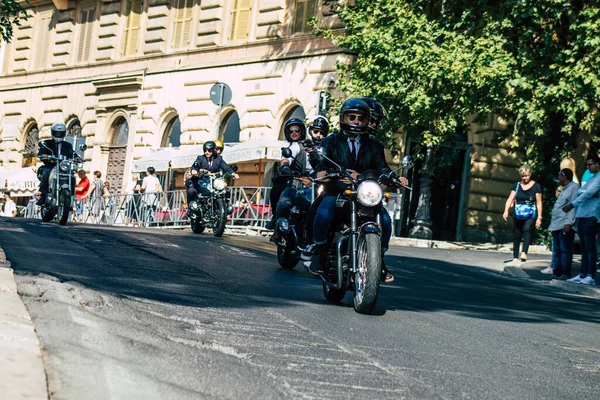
pixel 524 211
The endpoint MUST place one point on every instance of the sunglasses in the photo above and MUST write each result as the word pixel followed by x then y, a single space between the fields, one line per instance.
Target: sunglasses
pixel 590 164
pixel 354 117
pixel 294 130
pixel 316 131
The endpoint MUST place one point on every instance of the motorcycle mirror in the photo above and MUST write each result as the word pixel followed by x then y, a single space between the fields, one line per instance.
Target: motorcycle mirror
pixel 319 149
pixel 83 147
pixel 286 152
pixel 407 161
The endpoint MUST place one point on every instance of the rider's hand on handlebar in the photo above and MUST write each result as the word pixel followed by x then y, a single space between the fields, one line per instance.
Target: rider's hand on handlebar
pixel 403 181
pixel 354 175
pixel 236 176
pixel 285 161
pixel 305 181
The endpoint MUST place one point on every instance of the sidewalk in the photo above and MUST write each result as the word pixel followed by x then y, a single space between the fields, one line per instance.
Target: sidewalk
pixel 21 365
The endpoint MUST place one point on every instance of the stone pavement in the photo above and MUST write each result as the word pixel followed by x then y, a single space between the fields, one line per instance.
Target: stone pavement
pixel 21 366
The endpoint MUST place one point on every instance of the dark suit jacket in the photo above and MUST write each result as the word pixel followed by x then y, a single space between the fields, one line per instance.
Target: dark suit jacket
pixel 370 156
pixel 218 164
pixel 49 147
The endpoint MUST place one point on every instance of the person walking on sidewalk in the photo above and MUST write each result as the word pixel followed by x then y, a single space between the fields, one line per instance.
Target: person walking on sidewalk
pixel 561 227
pixel 526 196
pixel 587 203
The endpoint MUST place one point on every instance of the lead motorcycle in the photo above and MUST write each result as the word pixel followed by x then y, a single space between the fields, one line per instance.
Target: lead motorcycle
pixel 353 255
pixel 211 210
pixel 61 185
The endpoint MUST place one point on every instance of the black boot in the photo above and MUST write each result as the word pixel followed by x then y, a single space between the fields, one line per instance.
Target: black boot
pixel 41 200
pixel 317 266
pixel 271 224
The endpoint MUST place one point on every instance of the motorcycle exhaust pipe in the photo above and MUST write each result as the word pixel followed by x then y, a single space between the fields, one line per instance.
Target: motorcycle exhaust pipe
pixel 340 257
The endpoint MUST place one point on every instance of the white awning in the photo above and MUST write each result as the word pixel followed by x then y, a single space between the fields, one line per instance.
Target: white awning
pixel 184 157
pixel 19 182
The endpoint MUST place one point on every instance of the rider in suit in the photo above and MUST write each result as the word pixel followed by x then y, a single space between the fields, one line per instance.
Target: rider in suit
pixel 210 161
pixel 353 149
pixel 52 147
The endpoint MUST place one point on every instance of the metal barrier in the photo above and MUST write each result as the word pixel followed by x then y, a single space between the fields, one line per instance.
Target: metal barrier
pixel 165 209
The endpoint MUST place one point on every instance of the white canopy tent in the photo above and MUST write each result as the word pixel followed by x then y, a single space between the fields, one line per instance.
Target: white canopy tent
pixel 22 182
pixel 184 157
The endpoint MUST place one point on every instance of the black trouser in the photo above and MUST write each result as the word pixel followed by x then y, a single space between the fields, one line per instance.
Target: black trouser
pixel 195 188
pixel 286 202
pixel 44 176
pixel 310 218
pixel 522 229
pixel 587 228
pixel 276 191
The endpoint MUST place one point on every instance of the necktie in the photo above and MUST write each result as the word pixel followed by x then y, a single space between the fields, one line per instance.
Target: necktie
pixel 58 148
pixel 209 164
pixel 352 150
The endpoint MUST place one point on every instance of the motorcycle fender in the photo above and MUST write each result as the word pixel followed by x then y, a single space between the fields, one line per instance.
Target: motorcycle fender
pixel 369 227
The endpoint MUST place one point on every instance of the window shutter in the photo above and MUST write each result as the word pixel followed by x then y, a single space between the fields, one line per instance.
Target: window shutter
pixel 240 20
pixel 132 27
pixel 182 23
pixel 305 10
pixel 43 39
pixel 85 34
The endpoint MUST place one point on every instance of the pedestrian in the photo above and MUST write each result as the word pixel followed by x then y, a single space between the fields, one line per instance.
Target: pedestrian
pixel 133 199
pixel 526 197
pixel 151 188
pixel 561 227
pixel 587 203
pixel 32 210
pixel 81 191
pixel 96 194
pixel 10 208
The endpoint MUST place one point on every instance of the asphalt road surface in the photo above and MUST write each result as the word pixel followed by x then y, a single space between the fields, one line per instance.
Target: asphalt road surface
pixel 148 314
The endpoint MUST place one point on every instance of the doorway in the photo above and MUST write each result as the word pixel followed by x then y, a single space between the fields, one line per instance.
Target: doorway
pixel 117 155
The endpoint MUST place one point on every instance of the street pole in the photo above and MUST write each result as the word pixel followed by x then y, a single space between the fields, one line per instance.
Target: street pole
pixel 422 221
pixel 222 87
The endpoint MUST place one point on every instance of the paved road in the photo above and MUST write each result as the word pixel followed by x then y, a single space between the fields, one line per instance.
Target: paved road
pixel 146 314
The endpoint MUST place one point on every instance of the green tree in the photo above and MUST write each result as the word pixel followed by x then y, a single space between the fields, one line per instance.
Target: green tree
pixel 435 63
pixel 11 13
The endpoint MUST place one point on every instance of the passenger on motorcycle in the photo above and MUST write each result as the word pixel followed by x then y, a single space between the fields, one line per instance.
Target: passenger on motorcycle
pixel 353 149
pixel 377 114
pixel 219 146
pixel 52 147
pixel 297 164
pixel 294 131
pixel 209 162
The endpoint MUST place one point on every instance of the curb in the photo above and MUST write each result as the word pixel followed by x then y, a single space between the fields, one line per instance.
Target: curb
pixel 439 244
pixel 515 272
pixel 21 366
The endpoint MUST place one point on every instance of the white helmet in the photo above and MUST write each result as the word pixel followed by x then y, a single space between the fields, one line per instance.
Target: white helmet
pixel 58 131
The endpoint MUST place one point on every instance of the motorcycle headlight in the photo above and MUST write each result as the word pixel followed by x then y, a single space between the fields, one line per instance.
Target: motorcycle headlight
pixel 194 206
pixel 219 184
pixel 369 193
pixel 64 166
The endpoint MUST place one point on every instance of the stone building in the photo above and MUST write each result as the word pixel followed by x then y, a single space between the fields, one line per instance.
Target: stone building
pixel 134 75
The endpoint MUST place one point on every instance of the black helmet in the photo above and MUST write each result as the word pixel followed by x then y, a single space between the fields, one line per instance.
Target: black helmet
pixel 320 122
pixel 294 121
pixel 377 113
pixel 58 130
pixel 209 146
pixel 356 106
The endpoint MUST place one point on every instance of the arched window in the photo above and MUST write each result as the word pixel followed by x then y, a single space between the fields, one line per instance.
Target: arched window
pixel 172 134
pixel 120 132
pixel 230 128
pixel 296 112
pixel 31 148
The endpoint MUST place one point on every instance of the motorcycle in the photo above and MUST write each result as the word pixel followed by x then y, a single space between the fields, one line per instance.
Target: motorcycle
pixel 353 259
pixel 211 210
pixel 61 184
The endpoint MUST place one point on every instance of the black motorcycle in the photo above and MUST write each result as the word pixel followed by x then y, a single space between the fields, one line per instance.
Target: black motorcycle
pixel 210 210
pixel 61 184
pixel 353 255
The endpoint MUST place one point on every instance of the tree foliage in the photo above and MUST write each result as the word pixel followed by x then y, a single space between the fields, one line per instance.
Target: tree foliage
pixel 11 13
pixel 434 64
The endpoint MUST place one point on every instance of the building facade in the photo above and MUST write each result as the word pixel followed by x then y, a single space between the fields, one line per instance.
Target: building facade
pixel 128 76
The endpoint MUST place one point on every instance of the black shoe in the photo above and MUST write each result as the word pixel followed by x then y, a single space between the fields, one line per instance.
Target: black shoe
pixel 276 237
pixel 386 275
pixel 41 200
pixel 317 266
pixel 271 224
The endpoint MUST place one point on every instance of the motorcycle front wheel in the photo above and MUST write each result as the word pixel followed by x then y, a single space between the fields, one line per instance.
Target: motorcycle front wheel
pixel 196 226
pixel 286 260
pixel 220 218
pixel 366 279
pixel 64 207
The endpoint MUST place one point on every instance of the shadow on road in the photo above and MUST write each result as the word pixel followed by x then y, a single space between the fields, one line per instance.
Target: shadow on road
pixel 201 271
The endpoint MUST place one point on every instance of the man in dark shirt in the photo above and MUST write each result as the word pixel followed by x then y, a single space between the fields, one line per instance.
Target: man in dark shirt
pixel 52 148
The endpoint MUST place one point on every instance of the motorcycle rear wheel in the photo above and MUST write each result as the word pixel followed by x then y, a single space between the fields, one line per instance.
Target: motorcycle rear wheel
pixel 64 208
pixel 196 226
pixel 48 213
pixel 366 283
pixel 220 218
pixel 286 260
